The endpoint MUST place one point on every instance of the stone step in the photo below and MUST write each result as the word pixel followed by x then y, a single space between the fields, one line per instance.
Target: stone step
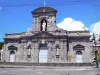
pixel 20 64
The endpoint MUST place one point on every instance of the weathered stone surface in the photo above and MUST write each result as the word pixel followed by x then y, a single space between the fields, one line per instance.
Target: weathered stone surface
pixel 53 37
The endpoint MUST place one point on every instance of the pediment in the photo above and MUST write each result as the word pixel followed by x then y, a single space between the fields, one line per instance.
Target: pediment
pixel 78 47
pixel 43 34
pixel 12 47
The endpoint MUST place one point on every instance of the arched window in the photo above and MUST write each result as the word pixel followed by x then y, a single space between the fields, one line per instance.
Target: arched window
pixel 78 57
pixel 43 26
pixel 12 56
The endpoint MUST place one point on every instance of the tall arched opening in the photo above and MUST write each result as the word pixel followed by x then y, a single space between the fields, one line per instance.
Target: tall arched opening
pixel 78 49
pixel 43 53
pixel 12 56
pixel 78 57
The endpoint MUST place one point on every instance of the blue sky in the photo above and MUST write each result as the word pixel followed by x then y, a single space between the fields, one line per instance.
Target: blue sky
pixel 15 15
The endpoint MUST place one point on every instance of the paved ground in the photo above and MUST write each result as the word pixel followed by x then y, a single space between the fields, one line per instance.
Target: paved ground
pixel 50 71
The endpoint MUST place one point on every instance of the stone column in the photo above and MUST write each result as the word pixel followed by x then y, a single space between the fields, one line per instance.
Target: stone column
pixel 33 53
pixel 86 54
pixel 65 51
pixel 61 55
pixel 18 53
pixel 6 54
pixel 53 52
pixel 36 51
pixel 24 53
pixel 2 54
pixel 70 53
pixel 50 52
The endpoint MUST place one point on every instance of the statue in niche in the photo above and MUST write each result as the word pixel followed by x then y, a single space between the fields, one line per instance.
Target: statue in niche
pixel 43 25
pixel 29 49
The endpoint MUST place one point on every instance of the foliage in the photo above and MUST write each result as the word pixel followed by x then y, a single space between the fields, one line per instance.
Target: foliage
pixel 1 45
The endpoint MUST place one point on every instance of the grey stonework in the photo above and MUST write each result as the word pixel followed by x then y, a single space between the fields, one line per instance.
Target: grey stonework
pixel 52 37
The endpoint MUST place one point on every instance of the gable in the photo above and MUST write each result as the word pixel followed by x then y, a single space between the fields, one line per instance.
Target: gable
pixel 78 47
pixel 12 47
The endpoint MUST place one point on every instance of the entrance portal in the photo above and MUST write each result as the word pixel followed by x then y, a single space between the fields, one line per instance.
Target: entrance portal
pixel 78 57
pixel 12 56
pixel 43 54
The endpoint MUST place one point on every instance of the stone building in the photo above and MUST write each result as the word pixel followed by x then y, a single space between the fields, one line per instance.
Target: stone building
pixel 46 43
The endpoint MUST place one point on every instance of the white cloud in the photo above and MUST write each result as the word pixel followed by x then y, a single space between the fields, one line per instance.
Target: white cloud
pixel 96 27
pixel 71 24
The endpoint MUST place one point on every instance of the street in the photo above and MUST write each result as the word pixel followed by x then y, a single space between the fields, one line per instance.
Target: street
pixel 50 71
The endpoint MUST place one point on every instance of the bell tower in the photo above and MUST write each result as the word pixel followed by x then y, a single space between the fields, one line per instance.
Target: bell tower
pixel 44 19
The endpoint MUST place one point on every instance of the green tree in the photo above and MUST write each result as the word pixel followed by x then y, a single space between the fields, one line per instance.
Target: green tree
pixel 1 45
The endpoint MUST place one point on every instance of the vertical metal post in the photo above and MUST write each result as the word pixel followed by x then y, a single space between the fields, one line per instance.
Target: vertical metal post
pixel 96 52
pixel 97 65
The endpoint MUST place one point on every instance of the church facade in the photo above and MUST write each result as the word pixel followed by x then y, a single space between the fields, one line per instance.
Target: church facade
pixel 46 43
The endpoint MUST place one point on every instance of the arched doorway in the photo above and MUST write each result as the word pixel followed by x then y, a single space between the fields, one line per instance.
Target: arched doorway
pixel 43 53
pixel 12 50
pixel 78 57
pixel 12 56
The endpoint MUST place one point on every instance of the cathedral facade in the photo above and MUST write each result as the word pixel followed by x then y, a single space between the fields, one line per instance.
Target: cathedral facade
pixel 46 43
